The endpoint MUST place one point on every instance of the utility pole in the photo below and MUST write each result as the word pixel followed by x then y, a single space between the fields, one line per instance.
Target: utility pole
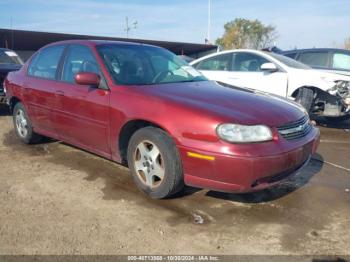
pixel 129 27
pixel 12 36
pixel 209 21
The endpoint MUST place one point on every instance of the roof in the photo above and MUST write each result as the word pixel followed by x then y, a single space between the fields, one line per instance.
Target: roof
pixel 93 42
pixel 254 51
pixel 33 40
pixel 317 49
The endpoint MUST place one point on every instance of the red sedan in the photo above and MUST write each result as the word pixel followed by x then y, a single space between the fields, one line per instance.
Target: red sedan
pixel 142 106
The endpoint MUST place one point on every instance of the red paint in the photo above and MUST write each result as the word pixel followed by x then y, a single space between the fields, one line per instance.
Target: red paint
pixel 86 78
pixel 93 118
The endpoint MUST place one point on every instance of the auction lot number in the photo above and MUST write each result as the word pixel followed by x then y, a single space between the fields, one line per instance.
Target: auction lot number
pixel 172 258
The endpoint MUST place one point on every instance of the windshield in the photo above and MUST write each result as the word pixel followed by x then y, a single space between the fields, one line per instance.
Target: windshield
pixel 9 57
pixel 289 61
pixel 130 64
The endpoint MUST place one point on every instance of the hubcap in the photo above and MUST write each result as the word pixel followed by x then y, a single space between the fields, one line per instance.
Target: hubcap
pixel 21 123
pixel 149 164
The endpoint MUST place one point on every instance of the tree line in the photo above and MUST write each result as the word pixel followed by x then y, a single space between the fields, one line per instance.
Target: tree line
pixel 251 34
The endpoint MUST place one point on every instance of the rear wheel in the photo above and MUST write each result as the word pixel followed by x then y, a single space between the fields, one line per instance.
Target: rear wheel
pixel 155 163
pixel 23 126
pixel 305 97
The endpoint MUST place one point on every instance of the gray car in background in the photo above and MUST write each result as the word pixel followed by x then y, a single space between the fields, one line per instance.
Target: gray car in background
pixel 329 59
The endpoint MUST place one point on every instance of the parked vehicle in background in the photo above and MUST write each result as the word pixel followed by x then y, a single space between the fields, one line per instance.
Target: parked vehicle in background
pixel 328 59
pixel 186 58
pixel 321 93
pixel 9 61
pixel 143 106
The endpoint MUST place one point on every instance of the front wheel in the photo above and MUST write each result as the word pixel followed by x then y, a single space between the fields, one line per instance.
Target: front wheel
pixel 23 125
pixel 155 163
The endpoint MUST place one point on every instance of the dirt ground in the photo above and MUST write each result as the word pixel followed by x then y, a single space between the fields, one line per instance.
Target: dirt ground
pixel 56 199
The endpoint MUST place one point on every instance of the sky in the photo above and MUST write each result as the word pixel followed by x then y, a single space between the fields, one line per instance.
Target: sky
pixel 299 23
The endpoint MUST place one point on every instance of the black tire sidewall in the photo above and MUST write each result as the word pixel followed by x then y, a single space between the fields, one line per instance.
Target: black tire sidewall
pixel 28 139
pixel 173 177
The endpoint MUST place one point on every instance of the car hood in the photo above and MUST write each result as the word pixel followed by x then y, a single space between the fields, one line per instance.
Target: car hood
pixel 337 72
pixel 311 77
pixel 236 105
pixel 332 76
pixel 321 75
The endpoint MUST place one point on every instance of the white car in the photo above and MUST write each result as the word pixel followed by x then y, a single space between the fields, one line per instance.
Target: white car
pixel 321 93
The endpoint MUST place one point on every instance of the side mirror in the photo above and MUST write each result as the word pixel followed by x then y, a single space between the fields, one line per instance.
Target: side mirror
pixel 270 67
pixel 87 78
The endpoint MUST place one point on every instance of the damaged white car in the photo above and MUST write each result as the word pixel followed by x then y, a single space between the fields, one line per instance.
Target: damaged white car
pixel 321 93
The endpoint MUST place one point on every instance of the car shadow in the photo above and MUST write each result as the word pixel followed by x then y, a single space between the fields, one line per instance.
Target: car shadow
pixel 4 110
pixel 288 186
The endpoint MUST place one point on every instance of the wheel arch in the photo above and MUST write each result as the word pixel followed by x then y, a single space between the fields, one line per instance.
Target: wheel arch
pixel 296 91
pixel 126 132
pixel 12 103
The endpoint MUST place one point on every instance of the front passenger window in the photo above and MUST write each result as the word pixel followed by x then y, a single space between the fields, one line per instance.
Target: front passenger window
pixel 79 59
pixel 247 62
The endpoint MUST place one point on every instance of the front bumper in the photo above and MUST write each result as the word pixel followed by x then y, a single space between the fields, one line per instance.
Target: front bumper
pixel 234 173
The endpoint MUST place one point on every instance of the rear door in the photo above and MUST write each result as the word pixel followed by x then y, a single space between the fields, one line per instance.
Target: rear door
pixel 82 112
pixel 216 68
pixel 40 85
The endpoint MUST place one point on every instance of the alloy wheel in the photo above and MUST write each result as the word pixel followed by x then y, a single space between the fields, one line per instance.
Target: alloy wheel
pixel 21 123
pixel 149 164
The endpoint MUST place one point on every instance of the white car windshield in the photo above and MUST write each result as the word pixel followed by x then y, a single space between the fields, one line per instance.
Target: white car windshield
pixel 289 61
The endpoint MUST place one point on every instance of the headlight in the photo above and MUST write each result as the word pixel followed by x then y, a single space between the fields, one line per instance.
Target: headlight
pixel 244 134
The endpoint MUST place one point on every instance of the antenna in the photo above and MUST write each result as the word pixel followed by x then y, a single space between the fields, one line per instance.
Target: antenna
pixel 12 35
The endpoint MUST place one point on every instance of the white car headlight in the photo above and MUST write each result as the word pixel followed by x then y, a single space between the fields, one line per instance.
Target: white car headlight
pixel 244 134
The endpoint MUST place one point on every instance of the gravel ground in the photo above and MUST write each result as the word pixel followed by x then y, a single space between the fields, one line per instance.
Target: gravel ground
pixel 56 199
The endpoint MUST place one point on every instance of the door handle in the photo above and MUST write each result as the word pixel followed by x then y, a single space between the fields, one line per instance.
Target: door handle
pixel 60 93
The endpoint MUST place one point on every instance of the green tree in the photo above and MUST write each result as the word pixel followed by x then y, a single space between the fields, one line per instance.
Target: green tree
pixel 244 33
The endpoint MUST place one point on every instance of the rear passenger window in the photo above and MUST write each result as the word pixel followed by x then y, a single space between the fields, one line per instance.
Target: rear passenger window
pixel 45 63
pixel 318 59
pixel 217 63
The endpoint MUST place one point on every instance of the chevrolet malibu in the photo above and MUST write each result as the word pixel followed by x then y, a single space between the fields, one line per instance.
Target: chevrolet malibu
pixel 143 107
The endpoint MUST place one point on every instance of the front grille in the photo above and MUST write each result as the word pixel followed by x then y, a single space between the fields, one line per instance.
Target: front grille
pixel 295 130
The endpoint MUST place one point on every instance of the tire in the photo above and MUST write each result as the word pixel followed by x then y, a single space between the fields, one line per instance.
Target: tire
pixel 155 163
pixel 305 97
pixel 23 126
